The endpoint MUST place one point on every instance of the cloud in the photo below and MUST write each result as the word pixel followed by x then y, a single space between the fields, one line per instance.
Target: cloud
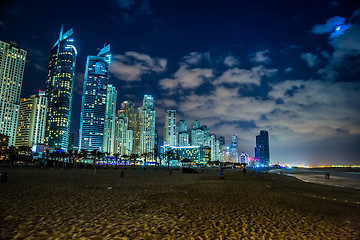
pixel 186 78
pixel 260 57
pixel 79 83
pixel 243 76
pixel 126 4
pixel 289 69
pixel 132 65
pixel 195 58
pixel 231 61
pixel 310 58
pixel 329 26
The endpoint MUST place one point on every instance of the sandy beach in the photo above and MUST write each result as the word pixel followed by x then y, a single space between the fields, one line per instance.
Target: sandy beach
pixel 78 204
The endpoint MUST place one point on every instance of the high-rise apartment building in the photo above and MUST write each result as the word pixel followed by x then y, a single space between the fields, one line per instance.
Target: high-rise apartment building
pixel 234 155
pixel 147 125
pixel 32 120
pixel 110 115
pixel 12 64
pixel 170 128
pixel 123 136
pixel 128 109
pixel 262 150
pixel 92 118
pixel 59 88
pixel 197 137
pixel 183 135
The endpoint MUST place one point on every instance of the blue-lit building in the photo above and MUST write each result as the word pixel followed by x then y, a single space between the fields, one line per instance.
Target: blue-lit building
pixel 196 154
pixel 92 118
pixel 59 89
pixel 262 151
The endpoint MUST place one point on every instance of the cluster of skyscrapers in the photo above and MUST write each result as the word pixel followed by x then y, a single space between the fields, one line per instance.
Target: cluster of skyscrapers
pixel 45 118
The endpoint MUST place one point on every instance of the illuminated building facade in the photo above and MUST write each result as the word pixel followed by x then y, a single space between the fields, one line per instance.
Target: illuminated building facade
pixel 262 151
pixel 170 128
pixel 123 136
pixel 196 154
pixel 183 135
pixel 32 120
pixel 234 155
pixel 147 125
pixel 12 64
pixel 92 118
pixel 197 136
pixel 110 115
pixel 128 109
pixel 59 88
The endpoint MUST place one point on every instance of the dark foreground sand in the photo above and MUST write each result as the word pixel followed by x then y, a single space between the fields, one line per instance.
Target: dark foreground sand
pixel 76 204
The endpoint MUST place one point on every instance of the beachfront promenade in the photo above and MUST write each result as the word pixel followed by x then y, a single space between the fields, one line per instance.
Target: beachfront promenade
pixel 78 204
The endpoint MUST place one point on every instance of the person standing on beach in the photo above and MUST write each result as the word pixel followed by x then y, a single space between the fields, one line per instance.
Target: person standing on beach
pixel 244 170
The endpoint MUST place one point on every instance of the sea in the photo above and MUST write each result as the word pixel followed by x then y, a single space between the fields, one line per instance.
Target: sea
pixel 339 177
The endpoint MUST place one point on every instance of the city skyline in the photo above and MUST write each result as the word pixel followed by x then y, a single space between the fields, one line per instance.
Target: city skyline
pixel 231 66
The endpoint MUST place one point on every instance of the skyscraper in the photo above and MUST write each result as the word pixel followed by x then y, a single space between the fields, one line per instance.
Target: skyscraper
pixel 32 120
pixel 128 109
pixel 262 151
pixel 110 115
pixel 59 88
pixel 92 118
pixel 183 135
pixel 234 155
pixel 197 137
pixel 147 125
pixel 170 128
pixel 12 64
pixel 123 136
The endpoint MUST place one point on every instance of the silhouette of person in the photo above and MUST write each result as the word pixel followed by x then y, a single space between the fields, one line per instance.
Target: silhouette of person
pixel 244 171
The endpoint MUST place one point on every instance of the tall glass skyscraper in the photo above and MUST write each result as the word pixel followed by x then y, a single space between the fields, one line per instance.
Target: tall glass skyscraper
pixel 59 88
pixel 110 115
pixel 183 135
pixel 170 128
pixel 12 64
pixel 262 151
pixel 147 125
pixel 92 118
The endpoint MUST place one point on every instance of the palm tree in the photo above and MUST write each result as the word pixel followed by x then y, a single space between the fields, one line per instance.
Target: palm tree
pixel 145 156
pixel 134 156
pixel 116 155
pixel 107 159
pixel 156 154
pixel 168 155
pixel 84 155
pixel 125 157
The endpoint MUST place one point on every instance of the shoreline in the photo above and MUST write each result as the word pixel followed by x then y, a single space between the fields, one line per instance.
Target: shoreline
pixel 338 177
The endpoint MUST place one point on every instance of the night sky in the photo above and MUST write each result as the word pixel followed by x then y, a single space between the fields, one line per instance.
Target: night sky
pixel 289 67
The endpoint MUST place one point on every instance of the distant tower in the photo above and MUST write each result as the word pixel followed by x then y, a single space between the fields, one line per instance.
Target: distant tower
pixel 92 118
pixel 183 135
pixel 59 88
pixel 32 120
pixel 12 64
pixel 123 136
pixel 110 115
pixel 147 125
pixel 170 128
pixel 262 151
pixel 128 109
pixel 197 137
pixel 234 155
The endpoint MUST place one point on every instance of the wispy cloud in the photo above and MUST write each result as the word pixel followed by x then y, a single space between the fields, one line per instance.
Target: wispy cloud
pixel 132 65
pixel 260 57
pixel 310 58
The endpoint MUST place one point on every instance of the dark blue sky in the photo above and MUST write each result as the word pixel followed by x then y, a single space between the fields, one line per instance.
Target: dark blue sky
pixel 237 66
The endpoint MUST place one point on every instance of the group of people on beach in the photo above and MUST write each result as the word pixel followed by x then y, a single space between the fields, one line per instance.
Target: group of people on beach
pixel 222 175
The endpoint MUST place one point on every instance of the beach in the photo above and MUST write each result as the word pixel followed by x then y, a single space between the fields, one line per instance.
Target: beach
pixel 149 204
